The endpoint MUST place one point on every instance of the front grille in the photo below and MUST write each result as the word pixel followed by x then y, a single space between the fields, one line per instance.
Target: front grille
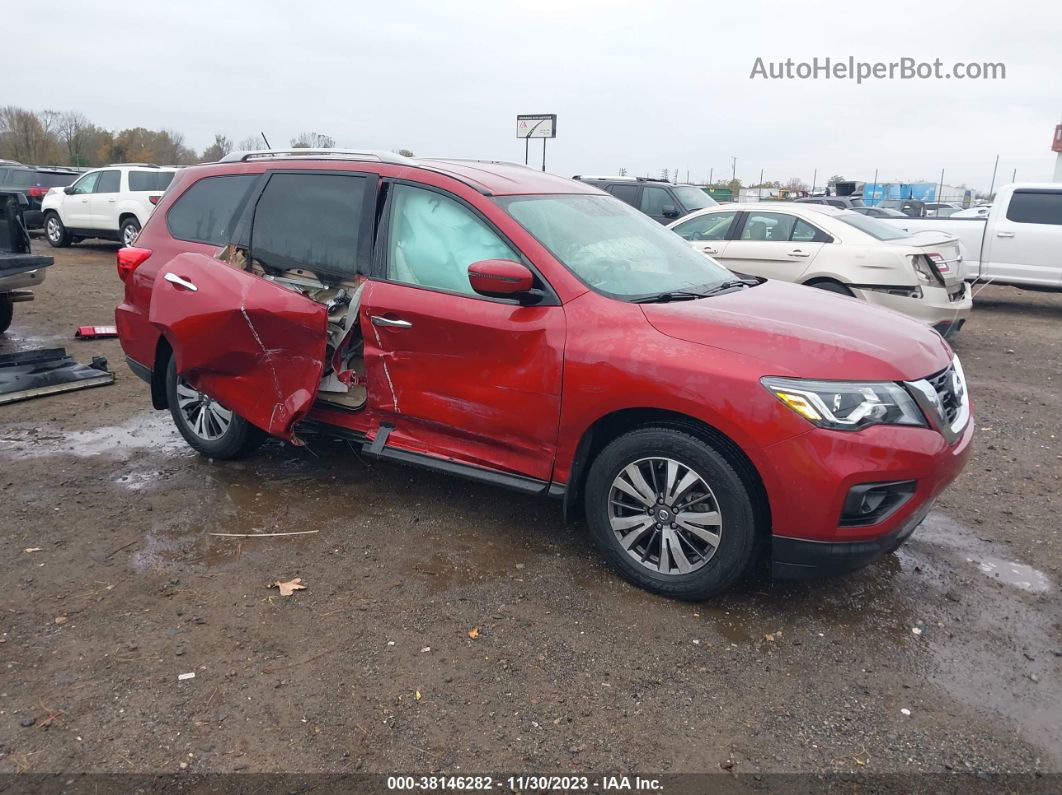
pixel 950 403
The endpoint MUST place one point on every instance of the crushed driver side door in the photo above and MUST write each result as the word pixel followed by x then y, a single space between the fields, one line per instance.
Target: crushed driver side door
pixel 252 345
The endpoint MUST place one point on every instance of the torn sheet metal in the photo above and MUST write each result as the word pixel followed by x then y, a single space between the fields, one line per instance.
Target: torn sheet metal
pixel 95 332
pixel 48 371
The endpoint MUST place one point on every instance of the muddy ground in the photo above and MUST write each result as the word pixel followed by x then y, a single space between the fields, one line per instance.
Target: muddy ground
pixel 372 667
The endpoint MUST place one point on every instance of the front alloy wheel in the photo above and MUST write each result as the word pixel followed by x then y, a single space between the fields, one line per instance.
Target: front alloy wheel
pixel 664 514
pixel 670 513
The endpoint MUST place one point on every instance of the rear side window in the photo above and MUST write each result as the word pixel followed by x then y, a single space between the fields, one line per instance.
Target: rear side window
pixel 309 222
pixel 21 178
pixel 207 211
pixel 1035 207
pixel 108 182
pixel 768 226
pixel 627 193
pixel 150 180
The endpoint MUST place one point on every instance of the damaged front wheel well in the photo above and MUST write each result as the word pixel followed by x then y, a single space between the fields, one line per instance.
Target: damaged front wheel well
pixel 614 425
pixel 163 352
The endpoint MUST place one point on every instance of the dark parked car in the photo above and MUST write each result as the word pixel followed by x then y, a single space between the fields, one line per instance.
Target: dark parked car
pixel 879 212
pixel 662 201
pixel 34 182
pixel 840 202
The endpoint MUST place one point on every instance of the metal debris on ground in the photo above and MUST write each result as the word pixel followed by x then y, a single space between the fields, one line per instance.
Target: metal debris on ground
pixel 48 371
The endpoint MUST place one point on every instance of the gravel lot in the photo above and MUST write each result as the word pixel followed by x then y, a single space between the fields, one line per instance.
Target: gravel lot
pixel 943 657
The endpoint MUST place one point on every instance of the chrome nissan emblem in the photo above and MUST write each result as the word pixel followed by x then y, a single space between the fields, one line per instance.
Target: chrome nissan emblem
pixel 663 515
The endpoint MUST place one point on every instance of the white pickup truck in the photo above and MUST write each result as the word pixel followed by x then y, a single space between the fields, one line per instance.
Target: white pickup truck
pixel 1019 243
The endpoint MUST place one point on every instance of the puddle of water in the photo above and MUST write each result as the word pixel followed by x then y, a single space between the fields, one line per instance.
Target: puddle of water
pixel 1017 574
pixel 144 431
pixel 941 530
pixel 997 647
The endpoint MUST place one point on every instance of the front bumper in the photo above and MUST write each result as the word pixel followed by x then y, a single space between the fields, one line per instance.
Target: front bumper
pixel 812 475
pixel 799 559
pixel 943 308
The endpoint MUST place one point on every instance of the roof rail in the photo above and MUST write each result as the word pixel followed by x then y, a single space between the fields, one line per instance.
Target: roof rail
pixel 618 178
pixel 378 155
pixel 138 165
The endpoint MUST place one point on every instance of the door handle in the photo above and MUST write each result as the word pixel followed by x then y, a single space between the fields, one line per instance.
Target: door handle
pixel 112 201
pixel 709 250
pixel 798 253
pixel 1004 234
pixel 173 278
pixel 386 322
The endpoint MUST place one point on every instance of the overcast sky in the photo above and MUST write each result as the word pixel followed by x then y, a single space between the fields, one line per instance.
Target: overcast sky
pixel 643 86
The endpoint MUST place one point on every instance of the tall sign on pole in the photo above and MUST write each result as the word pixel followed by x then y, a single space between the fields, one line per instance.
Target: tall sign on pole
pixel 536 125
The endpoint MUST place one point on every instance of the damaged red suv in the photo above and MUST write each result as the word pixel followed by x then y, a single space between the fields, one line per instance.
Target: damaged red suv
pixel 506 325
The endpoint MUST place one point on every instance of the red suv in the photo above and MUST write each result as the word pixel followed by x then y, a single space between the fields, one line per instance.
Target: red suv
pixel 510 326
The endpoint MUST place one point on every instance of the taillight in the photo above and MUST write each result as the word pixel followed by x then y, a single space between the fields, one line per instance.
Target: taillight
pixel 129 259
pixel 37 193
pixel 154 199
pixel 938 260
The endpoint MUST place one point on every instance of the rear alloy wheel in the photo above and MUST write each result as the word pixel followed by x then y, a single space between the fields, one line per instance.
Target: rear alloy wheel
pixel 130 229
pixel 670 513
pixel 209 427
pixel 55 231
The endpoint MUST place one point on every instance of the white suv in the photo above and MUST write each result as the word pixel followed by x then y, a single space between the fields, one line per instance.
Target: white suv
pixel 111 202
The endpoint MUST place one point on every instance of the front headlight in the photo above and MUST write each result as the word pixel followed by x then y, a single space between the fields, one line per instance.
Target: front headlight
pixel 843 406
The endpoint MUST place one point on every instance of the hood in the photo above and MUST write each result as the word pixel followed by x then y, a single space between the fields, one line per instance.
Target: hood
pixel 807 333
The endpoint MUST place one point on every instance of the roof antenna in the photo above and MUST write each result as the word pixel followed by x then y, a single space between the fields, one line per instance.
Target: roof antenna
pixel 265 139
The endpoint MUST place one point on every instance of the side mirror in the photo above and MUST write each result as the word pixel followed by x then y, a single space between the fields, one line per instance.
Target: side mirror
pixel 500 278
pixel 69 190
pixel 670 211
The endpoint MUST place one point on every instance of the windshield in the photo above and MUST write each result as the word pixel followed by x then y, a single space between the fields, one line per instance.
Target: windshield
pixel 693 198
pixel 612 247
pixel 879 230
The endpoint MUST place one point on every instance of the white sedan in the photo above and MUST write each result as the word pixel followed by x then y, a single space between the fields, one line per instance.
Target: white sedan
pixel 837 250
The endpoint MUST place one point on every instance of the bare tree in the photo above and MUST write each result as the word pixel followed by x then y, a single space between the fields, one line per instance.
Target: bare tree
pixel 222 146
pixel 77 134
pixel 251 143
pixel 313 140
pixel 27 136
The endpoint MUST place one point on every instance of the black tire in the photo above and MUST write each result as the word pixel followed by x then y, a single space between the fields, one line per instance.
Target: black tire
pixel 738 533
pixel 55 232
pixel 239 439
pixel 128 231
pixel 833 287
pixel 7 311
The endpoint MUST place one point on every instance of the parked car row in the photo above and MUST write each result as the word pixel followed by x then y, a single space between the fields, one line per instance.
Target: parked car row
pixel 494 322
